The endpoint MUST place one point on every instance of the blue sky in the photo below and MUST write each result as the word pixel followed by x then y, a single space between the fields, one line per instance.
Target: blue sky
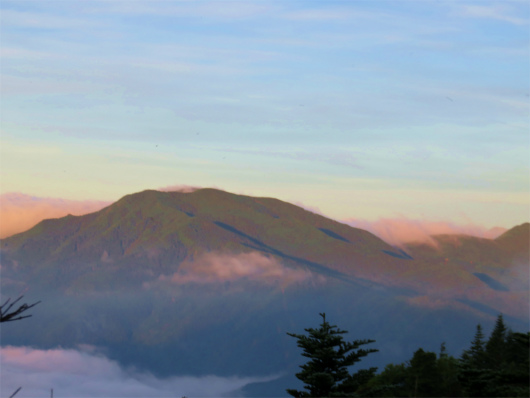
pixel 364 109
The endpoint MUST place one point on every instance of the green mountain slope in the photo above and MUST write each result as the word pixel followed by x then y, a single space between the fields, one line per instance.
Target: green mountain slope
pixel 151 233
pixel 207 281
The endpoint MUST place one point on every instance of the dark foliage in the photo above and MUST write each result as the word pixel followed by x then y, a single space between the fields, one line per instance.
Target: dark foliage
pixel 326 373
pixel 498 367
pixel 425 375
pixel 8 314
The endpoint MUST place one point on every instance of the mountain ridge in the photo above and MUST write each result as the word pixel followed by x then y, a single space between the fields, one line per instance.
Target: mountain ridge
pixel 226 275
pixel 185 222
pixel 148 235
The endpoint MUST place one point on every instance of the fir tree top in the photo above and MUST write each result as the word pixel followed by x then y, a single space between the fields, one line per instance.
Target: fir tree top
pixel 326 373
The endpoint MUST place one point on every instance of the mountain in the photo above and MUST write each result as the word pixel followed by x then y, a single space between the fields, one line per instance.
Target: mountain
pixel 516 239
pixel 217 279
pixel 155 232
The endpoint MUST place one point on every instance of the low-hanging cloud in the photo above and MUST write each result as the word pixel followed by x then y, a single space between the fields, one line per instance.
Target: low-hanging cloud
pixel 219 267
pixel 436 303
pixel 20 212
pixel 517 276
pixel 80 373
pixel 312 209
pixel 398 231
pixel 179 188
pixel 401 230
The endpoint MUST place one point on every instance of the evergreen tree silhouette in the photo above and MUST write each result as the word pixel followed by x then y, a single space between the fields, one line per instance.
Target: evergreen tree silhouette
pixel 326 373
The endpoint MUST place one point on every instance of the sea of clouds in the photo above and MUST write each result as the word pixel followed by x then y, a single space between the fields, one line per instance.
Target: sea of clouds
pixel 86 373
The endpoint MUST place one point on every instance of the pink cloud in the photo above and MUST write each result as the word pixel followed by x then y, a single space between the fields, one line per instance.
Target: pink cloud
pixel 398 231
pixel 216 267
pixel 179 188
pixel 84 373
pixel 312 209
pixel 64 360
pixel 20 212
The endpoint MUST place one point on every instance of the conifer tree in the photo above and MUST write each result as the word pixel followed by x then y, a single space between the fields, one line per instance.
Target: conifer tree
pixel 423 374
pixel 507 354
pixel 517 369
pixel 448 374
pixel 475 356
pixel 496 345
pixel 326 373
pixel 499 367
pixel 391 382
pixel 474 375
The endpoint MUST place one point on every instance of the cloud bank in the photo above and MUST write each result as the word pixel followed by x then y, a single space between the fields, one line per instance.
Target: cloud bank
pixel 217 267
pixel 398 231
pixel 74 373
pixel 20 212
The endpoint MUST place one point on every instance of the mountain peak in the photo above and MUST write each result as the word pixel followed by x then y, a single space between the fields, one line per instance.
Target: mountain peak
pixel 516 238
pixel 154 232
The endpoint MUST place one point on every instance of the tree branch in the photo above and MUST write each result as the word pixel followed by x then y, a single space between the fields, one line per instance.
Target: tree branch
pixel 7 315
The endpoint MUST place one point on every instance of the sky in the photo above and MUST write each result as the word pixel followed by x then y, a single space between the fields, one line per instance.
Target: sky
pixel 363 110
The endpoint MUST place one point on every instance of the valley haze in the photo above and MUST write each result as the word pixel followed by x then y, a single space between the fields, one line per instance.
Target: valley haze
pixel 168 288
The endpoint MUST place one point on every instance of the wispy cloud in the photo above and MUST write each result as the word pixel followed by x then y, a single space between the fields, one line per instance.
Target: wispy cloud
pixel 78 373
pixel 44 20
pixel 517 276
pixel 435 303
pixel 500 12
pixel 219 267
pixel 398 231
pixel 337 157
pixel 179 188
pixel 325 14
pixel 335 88
pixel 226 11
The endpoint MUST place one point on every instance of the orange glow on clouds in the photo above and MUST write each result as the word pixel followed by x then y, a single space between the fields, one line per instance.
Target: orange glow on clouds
pixel 20 212
pixel 398 231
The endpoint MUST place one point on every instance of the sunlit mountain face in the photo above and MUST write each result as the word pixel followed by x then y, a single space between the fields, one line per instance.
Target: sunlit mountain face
pixel 208 283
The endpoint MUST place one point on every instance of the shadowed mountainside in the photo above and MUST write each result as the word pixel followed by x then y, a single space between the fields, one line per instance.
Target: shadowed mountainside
pixel 217 279
pixel 151 235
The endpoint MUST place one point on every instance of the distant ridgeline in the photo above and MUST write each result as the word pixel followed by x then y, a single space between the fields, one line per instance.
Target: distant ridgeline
pixel 206 282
